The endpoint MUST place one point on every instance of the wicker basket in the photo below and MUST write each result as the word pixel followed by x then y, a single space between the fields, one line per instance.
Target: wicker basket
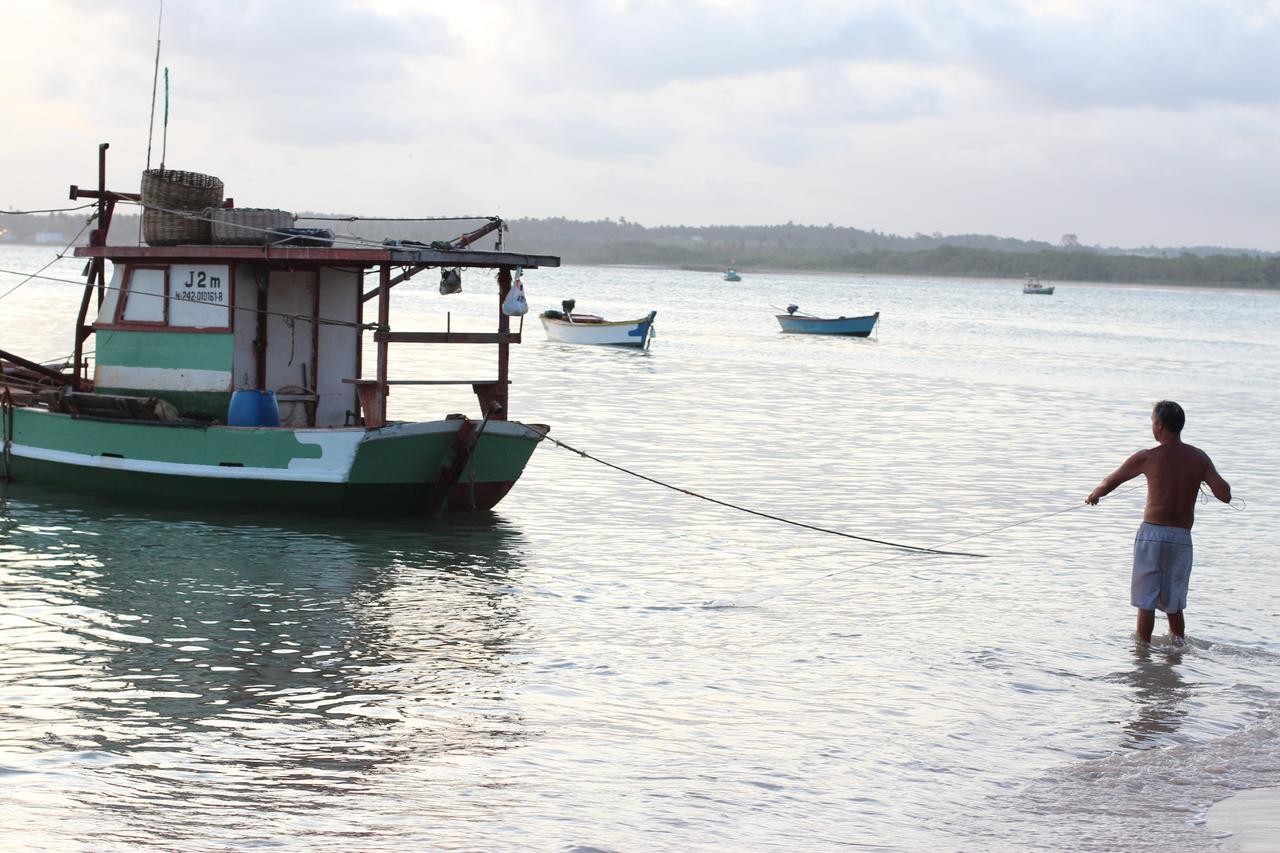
pixel 248 226
pixel 183 196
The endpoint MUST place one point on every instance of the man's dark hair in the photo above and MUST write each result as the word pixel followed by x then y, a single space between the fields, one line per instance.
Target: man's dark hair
pixel 1170 414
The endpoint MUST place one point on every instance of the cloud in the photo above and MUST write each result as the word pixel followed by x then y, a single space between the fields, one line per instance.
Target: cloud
pixel 1074 55
pixel 1171 55
pixel 650 45
pixel 323 72
pixel 1124 122
pixel 599 137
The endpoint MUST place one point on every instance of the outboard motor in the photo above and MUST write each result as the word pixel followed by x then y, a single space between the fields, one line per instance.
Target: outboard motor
pixel 568 305
pixel 791 309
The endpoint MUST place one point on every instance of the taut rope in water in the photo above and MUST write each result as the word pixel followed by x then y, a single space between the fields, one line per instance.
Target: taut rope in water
pixel 776 591
pixel 910 548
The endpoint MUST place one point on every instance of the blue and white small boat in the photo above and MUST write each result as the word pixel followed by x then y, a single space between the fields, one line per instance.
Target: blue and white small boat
pixel 807 324
pixel 732 275
pixel 568 327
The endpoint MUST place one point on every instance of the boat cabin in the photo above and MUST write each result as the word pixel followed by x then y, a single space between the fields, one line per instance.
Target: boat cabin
pixel 194 324
pixel 227 367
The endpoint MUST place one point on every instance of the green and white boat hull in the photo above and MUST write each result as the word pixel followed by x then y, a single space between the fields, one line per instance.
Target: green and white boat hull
pixel 400 469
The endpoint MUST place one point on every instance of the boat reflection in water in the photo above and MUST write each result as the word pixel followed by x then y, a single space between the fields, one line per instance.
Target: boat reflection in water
pixel 168 672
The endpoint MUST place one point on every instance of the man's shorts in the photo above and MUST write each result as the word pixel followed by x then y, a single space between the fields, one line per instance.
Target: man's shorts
pixel 1161 568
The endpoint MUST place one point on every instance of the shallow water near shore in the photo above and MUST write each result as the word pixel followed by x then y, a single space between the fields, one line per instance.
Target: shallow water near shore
pixel 549 676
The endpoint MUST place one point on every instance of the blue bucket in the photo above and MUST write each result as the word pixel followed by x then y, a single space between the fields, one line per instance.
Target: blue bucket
pixel 269 410
pixel 253 408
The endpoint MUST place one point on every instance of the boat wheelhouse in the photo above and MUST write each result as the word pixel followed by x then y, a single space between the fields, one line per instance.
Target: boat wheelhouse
pixel 232 375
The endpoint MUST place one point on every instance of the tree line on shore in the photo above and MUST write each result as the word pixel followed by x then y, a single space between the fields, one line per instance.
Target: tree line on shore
pixel 961 262
pixel 785 247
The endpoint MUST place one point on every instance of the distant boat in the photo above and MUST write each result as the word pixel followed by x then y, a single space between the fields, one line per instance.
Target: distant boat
pixel 732 275
pixel 807 324
pixel 570 328
pixel 1033 285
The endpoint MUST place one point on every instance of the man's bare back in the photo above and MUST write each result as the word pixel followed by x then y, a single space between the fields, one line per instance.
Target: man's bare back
pixel 1174 472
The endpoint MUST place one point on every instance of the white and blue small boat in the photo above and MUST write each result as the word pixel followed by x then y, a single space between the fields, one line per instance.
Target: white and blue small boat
pixel 568 327
pixel 807 324
pixel 732 275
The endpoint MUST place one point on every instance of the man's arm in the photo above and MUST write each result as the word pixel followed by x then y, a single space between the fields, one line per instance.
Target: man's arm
pixel 1221 488
pixel 1132 467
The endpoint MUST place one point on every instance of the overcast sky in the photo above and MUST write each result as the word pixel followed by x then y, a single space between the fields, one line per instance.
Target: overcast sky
pixel 1125 123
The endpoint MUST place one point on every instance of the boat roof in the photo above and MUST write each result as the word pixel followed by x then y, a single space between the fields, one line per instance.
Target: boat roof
pixel 290 255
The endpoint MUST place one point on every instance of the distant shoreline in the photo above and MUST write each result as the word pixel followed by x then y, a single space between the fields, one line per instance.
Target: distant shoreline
pixel 1063 283
pixel 749 270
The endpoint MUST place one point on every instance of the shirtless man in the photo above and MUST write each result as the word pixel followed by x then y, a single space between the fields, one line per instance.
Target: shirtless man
pixel 1162 548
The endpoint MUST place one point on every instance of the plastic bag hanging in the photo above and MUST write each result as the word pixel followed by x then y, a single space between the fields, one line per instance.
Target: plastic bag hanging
pixel 515 304
pixel 450 281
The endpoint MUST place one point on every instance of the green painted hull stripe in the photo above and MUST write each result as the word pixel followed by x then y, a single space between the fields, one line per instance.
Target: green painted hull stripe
pixel 199 351
pixel 404 454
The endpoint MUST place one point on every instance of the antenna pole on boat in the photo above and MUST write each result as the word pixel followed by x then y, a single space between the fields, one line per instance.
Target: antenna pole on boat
pixel 98 236
pixel 164 136
pixel 155 77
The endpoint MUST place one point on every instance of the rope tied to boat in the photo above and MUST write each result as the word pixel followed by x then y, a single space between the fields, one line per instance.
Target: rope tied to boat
pixel 6 426
pixel 915 549
pixel 291 321
pixel 56 258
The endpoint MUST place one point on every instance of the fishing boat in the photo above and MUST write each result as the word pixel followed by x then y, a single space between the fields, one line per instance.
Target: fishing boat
pixel 807 324
pixel 1033 285
pixel 231 374
pixel 732 275
pixel 568 327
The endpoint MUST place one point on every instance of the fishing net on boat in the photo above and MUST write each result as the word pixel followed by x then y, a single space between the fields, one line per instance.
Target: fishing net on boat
pixel 173 206
pixel 247 226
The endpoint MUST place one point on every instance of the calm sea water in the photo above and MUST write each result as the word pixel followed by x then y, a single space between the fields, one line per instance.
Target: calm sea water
pixel 551 676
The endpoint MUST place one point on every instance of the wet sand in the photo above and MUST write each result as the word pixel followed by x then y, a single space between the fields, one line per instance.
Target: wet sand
pixel 1252 817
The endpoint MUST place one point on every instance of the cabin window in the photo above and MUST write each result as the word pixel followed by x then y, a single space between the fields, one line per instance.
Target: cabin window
pixel 144 293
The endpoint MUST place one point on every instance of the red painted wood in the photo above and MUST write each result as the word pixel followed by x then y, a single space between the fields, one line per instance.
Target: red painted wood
pixel 179 254
pixel 504 349
pixel 486 495
pixel 446 337
pixel 384 322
